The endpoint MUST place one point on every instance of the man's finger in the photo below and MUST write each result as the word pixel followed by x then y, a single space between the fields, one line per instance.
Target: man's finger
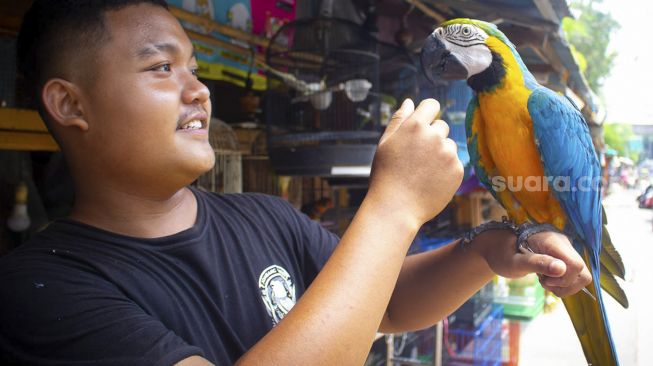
pixel 426 111
pixel 440 127
pixel 540 263
pixel 565 291
pixel 406 109
pixel 558 291
pixel 572 275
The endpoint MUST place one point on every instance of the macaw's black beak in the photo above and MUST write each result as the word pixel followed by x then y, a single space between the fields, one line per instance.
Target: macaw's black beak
pixel 439 63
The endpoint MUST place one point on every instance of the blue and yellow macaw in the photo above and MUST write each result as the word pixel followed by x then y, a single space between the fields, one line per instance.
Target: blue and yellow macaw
pixel 519 131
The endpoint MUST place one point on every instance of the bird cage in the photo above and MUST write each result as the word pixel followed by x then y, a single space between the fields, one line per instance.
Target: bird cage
pixel 399 73
pixel 227 174
pixel 322 100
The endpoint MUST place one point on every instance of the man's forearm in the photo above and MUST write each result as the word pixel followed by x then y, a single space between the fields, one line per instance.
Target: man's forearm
pixel 432 285
pixel 334 322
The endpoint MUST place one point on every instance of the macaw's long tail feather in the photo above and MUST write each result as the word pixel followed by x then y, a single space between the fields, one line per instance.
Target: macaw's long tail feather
pixel 610 258
pixel 591 323
pixel 592 331
pixel 611 266
pixel 610 285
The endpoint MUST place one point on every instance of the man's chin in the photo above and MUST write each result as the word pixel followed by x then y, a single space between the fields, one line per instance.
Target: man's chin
pixel 189 164
pixel 202 164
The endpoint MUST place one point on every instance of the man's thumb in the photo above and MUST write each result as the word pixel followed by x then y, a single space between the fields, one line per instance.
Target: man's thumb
pixel 406 109
pixel 542 264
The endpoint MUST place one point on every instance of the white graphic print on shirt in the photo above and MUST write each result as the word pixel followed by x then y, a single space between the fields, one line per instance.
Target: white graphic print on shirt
pixel 277 292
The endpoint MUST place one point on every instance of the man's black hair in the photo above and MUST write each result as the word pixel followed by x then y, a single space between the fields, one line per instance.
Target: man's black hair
pixel 56 32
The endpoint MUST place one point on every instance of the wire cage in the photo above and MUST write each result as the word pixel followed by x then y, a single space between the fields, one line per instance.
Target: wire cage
pixel 399 78
pixel 322 100
pixel 227 173
pixel 480 345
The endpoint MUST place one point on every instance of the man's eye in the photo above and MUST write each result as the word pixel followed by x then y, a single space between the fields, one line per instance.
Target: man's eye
pixel 163 67
pixel 194 70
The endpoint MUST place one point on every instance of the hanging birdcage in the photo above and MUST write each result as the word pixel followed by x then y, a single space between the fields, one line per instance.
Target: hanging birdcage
pixel 322 100
pixel 227 174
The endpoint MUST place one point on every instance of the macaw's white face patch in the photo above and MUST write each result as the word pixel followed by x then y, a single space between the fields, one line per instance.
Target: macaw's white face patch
pixel 277 291
pixel 467 43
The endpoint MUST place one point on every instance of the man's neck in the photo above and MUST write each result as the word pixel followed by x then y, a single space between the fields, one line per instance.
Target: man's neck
pixel 134 214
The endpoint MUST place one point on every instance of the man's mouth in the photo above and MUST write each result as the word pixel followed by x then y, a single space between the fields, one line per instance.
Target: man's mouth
pixel 195 124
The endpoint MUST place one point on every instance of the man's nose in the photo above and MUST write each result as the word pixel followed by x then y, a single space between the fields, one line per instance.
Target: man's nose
pixel 195 91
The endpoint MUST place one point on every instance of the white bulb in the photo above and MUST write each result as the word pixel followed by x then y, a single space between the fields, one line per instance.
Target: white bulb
pixel 19 219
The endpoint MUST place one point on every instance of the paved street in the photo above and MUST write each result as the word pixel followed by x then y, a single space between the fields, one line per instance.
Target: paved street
pixel 550 338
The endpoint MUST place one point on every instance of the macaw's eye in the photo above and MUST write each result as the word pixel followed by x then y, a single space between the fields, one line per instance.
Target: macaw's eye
pixel 466 31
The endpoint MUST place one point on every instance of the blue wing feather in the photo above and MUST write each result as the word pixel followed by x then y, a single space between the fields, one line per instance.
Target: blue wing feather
pixel 472 145
pixel 566 148
pixel 567 153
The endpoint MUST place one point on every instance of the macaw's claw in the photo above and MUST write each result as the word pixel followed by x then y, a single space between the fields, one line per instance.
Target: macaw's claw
pixel 528 229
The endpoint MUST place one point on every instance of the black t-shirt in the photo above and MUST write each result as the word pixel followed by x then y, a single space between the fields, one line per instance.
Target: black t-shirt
pixel 78 295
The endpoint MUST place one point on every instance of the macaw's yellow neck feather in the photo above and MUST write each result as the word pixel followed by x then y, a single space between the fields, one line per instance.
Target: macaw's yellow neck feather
pixel 514 77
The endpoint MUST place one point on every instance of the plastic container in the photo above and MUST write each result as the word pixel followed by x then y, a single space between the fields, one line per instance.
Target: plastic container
pixel 480 346
pixel 521 298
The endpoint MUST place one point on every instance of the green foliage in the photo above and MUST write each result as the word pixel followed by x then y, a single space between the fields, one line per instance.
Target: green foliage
pixel 580 59
pixel 617 136
pixel 589 35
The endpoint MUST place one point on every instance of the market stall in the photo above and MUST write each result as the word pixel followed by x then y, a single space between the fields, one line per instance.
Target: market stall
pixel 302 93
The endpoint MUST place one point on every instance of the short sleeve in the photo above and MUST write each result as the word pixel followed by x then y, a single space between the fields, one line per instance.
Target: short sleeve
pixel 51 314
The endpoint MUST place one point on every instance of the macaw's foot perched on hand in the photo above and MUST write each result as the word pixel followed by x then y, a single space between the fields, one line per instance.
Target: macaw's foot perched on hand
pixel 504 224
pixel 528 229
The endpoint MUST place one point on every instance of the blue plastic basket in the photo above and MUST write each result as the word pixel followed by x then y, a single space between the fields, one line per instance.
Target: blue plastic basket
pixel 422 243
pixel 480 346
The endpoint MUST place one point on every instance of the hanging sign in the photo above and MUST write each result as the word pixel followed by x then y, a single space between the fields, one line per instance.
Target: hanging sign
pixel 259 17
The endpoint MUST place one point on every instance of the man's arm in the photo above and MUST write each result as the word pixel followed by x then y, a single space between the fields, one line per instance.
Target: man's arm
pixel 434 284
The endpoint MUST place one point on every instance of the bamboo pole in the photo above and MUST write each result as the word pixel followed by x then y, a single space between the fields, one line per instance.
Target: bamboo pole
pixel 220 28
pixel 427 10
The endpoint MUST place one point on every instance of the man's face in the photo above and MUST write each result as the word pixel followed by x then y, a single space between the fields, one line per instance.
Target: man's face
pixel 148 114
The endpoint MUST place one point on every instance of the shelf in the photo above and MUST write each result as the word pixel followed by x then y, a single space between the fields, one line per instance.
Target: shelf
pixel 24 130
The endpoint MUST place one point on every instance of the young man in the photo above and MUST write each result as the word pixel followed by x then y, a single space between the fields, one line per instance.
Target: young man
pixel 148 271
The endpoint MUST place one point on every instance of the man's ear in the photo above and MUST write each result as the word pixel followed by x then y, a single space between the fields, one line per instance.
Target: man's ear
pixel 61 101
